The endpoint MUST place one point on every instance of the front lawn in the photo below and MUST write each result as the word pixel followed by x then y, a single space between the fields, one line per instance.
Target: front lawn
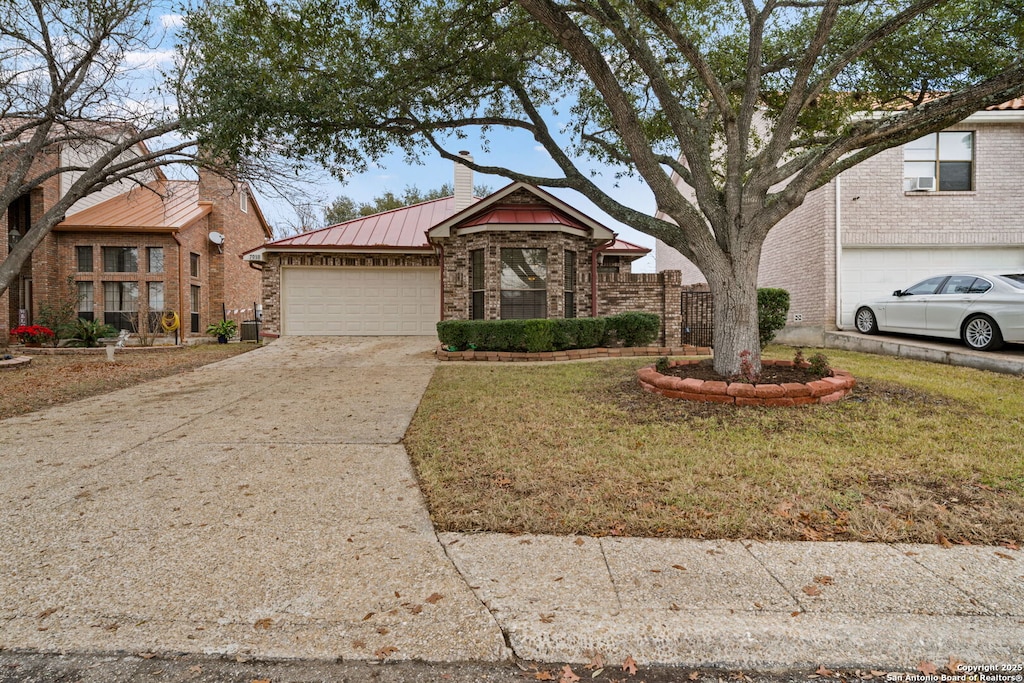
pixel 920 453
pixel 52 380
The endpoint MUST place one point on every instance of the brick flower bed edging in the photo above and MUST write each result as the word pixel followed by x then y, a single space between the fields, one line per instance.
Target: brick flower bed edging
pixel 574 354
pixel 14 363
pixel 87 351
pixel 824 390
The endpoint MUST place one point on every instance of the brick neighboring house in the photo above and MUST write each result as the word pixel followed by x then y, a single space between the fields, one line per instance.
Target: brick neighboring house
pixel 518 253
pixel 148 241
pixel 879 227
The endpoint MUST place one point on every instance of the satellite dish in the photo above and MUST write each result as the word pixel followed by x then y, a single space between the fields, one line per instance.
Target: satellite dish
pixel 217 238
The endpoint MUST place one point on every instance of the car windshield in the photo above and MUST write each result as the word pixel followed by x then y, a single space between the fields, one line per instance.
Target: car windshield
pixel 1015 279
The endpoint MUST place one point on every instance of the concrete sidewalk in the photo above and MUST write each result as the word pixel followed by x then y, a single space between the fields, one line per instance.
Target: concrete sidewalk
pixel 748 605
pixel 265 507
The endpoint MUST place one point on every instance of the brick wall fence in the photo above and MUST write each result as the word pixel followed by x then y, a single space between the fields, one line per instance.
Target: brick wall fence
pixel 658 293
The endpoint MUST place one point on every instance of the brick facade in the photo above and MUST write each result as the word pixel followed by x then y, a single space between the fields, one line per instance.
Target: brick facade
pixel 225 282
pixel 875 213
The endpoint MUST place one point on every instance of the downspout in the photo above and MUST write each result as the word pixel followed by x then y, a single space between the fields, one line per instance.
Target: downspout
pixel 593 275
pixel 181 293
pixel 839 256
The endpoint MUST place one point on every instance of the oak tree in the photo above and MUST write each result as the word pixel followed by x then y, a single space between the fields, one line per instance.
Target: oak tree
pixel 730 111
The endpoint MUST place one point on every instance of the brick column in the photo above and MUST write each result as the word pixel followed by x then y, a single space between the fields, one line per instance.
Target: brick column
pixel 672 315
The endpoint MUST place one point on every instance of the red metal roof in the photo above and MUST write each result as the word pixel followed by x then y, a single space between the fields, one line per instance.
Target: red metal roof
pixel 160 205
pixel 522 215
pixel 404 228
pixel 624 247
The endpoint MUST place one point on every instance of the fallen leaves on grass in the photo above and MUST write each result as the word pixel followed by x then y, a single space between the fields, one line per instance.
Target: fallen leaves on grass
pixel 629 665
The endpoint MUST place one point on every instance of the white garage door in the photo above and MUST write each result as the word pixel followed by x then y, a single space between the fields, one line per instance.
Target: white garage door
pixel 869 273
pixel 360 301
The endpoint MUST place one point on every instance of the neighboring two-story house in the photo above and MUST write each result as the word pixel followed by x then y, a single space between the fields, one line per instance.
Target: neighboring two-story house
pixel 156 244
pixel 948 201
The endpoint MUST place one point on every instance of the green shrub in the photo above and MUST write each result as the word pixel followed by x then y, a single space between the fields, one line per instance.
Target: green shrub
pixel 578 333
pixel 538 335
pixel 89 332
pixel 772 309
pixel 552 334
pixel 633 328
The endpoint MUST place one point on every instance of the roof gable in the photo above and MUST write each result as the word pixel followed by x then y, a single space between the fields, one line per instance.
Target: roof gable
pixel 514 202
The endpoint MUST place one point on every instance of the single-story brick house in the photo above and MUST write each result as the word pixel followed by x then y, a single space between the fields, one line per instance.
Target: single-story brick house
pixel 518 253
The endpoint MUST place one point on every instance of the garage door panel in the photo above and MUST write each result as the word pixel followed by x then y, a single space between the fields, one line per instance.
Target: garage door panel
pixel 869 273
pixel 357 301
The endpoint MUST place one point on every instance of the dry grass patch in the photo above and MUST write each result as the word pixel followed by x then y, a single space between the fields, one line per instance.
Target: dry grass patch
pixel 52 380
pixel 920 453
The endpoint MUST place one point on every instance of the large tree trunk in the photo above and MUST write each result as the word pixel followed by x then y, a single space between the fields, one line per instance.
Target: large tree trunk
pixel 734 293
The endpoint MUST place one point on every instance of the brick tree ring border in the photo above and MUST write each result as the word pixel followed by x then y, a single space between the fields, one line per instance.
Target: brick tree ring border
pixel 824 390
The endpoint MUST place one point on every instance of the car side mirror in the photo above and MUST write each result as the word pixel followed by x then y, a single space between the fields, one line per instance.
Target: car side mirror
pixel 898 292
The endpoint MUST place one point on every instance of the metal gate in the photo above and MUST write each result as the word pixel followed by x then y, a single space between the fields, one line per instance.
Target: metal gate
pixel 698 329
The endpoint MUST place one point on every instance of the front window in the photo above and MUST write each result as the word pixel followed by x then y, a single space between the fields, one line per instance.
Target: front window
pixel 119 303
pixel 120 260
pixel 939 161
pixel 476 284
pixel 83 255
pixel 524 293
pixel 85 300
pixel 570 284
pixel 194 299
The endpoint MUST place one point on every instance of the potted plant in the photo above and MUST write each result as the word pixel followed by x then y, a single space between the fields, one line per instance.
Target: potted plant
pixel 33 335
pixel 225 329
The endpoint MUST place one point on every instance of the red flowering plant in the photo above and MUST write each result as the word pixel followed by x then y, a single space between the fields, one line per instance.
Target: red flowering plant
pixel 33 334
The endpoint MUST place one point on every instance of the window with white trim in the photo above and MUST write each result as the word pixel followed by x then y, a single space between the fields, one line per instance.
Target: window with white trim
pixel 939 161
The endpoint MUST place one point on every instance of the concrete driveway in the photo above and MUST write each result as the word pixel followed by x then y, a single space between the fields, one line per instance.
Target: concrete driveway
pixel 260 506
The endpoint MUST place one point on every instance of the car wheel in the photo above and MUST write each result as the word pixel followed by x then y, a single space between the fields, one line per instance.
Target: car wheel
pixel 981 333
pixel 865 321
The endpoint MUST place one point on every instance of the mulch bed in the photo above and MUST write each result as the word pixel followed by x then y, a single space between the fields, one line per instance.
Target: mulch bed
pixel 770 374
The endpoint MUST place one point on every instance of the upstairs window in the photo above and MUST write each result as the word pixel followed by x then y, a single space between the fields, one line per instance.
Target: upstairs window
pixel 939 161
pixel 120 260
pixel 156 259
pixel 83 255
pixel 193 265
pixel 524 287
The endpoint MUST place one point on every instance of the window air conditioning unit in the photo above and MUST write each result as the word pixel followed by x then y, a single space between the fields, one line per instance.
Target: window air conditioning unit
pixel 924 183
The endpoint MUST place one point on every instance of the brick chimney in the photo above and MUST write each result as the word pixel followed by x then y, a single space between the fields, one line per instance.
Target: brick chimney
pixel 463 183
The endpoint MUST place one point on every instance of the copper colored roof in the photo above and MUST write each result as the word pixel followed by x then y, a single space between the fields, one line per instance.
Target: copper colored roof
pixel 160 205
pixel 522 215
pixel 624 247
pixel 404 228
pixel 1013 105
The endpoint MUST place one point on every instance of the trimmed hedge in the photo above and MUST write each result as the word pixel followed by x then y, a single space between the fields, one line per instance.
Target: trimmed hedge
pixel 550 334
pixel 632 329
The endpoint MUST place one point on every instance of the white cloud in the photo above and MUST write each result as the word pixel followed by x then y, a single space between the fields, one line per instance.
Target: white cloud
pixel 172 20
pixel 149 60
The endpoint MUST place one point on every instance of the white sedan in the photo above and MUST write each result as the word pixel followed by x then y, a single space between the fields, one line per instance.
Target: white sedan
pixel 982 309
